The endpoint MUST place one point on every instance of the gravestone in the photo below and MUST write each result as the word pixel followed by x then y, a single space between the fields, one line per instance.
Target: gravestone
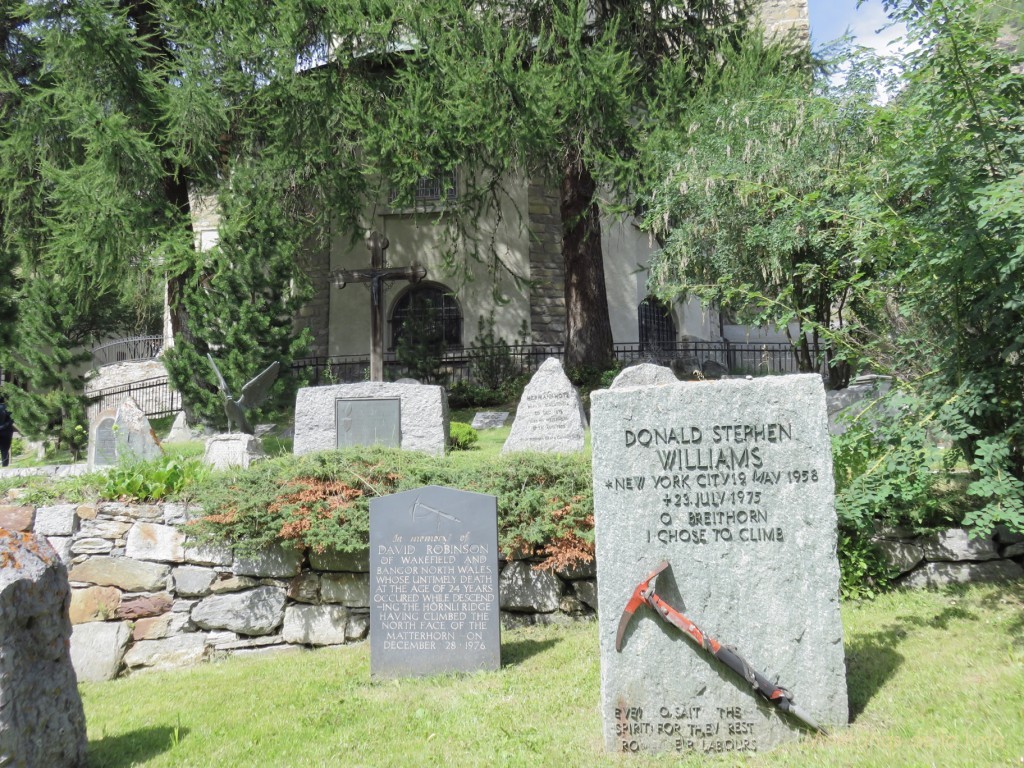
pixel 433 583
pixel 731 483
pixel 41 718
pixel 409 416
pixel 550 416
pixel 102 440
pixel 644 375
pixel 489 420
pixel 233 450
pixel 124 432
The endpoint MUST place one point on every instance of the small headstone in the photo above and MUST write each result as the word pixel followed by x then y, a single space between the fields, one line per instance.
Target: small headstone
pixel 180 432
pixel 489 420
pixel 410 416
pixel 731 483
pixel 644 375
pixel 550 416
pixel 41 717
pixel 234 450
pixel 122 433
pixel 102 444
pixel 433 583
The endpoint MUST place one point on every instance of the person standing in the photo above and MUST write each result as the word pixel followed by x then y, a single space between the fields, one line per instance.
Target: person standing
pixel 6 434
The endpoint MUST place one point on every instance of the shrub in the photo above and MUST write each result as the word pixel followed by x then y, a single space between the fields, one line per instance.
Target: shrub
pixel 461 436
pixel 321 500
pixel 153 480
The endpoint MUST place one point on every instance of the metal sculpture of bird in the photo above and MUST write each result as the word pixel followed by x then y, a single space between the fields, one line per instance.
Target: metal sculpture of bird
pixel 253 393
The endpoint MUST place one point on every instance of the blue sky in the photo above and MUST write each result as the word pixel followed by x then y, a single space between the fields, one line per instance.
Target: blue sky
pixel 831 18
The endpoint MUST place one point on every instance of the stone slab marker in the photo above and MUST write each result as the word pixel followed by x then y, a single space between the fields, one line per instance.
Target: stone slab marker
pixel 731 482
pixel 41 718
pixel 434 583
pixel 550 416
pixel 413 417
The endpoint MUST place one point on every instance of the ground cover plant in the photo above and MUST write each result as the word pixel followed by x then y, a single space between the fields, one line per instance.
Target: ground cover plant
pixel 935 678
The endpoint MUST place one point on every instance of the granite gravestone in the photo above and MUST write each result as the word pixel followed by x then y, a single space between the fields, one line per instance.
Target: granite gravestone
pixel 433 583
pixel 413 417
pixel 731 483
pixel 550 416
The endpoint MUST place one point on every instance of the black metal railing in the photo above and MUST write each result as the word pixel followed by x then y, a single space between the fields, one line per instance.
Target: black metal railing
pixel 753 359
pixel 154 396
pixel 127 350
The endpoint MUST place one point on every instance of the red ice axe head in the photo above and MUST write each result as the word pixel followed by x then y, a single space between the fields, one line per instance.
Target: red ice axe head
pixel 640 596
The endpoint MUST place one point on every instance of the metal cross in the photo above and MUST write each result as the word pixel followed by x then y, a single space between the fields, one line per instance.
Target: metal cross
pixel 375 276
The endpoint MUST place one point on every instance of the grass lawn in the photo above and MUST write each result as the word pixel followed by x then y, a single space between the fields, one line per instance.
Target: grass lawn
pixel 935 678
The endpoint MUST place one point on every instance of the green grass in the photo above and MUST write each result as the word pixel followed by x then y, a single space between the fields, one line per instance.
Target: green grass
pixel 935 678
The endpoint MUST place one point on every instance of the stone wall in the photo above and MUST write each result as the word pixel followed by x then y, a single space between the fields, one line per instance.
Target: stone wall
pixel 145 597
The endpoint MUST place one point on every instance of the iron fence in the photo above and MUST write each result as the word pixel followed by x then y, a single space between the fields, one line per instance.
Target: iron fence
pixel 468 363
pixel 127 350
pixel 154 396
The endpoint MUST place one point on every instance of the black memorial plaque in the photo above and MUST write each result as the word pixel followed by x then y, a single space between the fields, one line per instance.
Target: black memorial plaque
pixel 369 421
pixel 434 583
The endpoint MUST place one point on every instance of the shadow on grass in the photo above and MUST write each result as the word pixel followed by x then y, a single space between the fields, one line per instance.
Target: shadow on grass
pixel 132 748
pixel 518 651
pixel 1012 594
pixel 871 659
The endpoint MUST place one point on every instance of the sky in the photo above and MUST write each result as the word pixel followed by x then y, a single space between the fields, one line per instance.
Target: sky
pixel 831 18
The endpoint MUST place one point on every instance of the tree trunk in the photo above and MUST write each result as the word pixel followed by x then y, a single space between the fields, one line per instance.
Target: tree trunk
pixel 588 332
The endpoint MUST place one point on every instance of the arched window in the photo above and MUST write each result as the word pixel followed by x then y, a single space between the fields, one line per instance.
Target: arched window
pixel 431 312
pixel 657 328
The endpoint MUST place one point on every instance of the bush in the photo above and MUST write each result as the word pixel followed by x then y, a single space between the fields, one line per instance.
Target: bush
pixel 321 500
pixel 461 436
pixel 153 480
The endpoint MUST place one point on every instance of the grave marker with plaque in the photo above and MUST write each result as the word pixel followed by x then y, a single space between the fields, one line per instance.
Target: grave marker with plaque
pixel 731 483
pixel 413 417
pixel 433 583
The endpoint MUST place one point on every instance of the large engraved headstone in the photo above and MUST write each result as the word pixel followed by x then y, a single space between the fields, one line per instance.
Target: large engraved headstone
pixel 434 583
pixel 550 416
pixel 409 416
pixel 731 483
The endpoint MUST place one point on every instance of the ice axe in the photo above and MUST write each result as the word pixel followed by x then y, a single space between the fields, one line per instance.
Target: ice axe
pixel 773 694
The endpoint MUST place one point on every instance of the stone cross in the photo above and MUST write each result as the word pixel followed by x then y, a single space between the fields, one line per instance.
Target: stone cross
pixel 376 275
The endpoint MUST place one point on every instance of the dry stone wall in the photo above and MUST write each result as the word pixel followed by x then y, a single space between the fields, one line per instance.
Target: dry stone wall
pixel 146 596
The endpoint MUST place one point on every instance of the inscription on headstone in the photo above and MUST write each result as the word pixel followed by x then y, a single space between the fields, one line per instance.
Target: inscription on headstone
pixel 434 583
pixel 105 450
pixel 550 416
pixel 731 482
pixel 369 421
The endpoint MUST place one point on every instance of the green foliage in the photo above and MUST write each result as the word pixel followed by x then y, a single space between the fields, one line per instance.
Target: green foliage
pixel 153 480
pixel 241 309
pixel 750 179
pixel 948 208
pixel 321 500
pixel 461 437
pixel 490 358
pixel 55 414
pixel 863 570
